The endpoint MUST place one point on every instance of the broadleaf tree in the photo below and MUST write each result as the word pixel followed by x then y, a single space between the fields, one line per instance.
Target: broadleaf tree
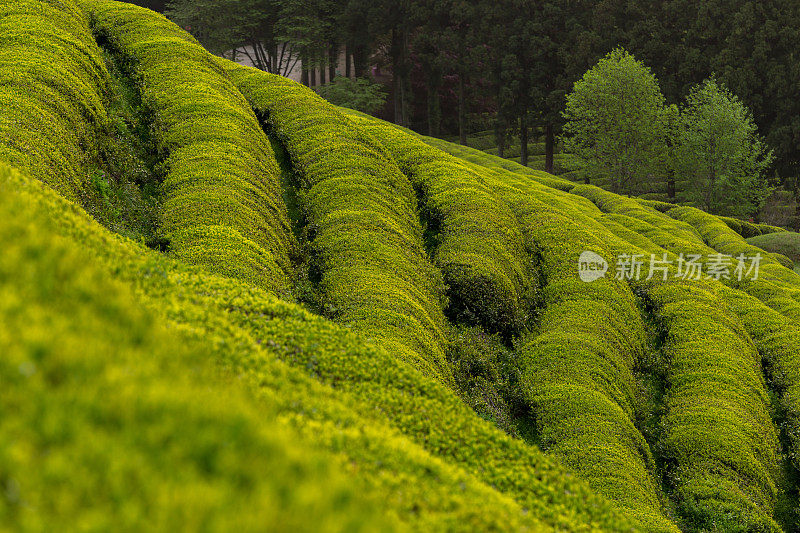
pixel 719 154
pixel 615 124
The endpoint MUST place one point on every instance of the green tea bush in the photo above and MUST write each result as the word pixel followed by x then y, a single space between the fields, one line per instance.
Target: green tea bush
pixel 52 84
pixel 577 366
pixel 577 374
pixel 778 340
pixel 222 186
pixel 719 441
pixel 776 285
pixel 360 207
pixel 736 500
pixel 427 459
pixel 612 203
pixel 478 243
pixel 786 243
pixel 718 444
pixel 113 422
pixel 165 391
pixel 749 229
pixel 729 478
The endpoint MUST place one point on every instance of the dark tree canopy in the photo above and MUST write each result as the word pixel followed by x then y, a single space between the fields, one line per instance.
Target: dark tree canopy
pixel 455 62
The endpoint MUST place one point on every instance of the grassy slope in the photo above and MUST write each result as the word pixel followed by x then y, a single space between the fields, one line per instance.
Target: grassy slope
pixel 273 415
pixel 355 417
pixel 642 228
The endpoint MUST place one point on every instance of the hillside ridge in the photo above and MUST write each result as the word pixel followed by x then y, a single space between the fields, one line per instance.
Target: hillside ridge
pixel 339 324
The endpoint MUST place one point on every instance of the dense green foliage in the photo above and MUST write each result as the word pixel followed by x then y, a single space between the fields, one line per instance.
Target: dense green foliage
pixel 360 94
pixel 52 93
pixel 785 242
pixel 450 370
pixel 361 221
pixel 222 205
pixel 615 123
pixel 475 238
pixel 718 153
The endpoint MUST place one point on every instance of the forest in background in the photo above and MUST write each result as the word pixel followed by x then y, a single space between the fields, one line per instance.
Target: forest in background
pixel 458 67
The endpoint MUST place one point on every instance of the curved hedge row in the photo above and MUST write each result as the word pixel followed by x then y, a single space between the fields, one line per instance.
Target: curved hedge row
pixel 778 341
pixel 611 203
pixel 578 364
pixel 396 443
pixel 480 249
pixel 361 209
pixel 223 205
pixel 717 379
pixel 749 229
pixel 733 483
pixel 719 442
pixel 105 429
pixel 369 410
pixel 724 471
pixel 777 286
pixel 578 371
pixel 707 236
pixel 52 82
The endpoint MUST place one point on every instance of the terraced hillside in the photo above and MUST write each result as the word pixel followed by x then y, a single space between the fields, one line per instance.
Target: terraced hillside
pixel 229 304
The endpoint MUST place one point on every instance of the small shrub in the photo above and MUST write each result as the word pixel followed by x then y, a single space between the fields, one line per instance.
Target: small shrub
pixel 361 94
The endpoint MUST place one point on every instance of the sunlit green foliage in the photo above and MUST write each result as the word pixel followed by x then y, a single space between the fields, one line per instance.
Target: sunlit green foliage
pixel 615 123
pixel 475 238
pixel 362 223
pixel 51 94
pixel 718 153
pixel 222 206
pixel 463 376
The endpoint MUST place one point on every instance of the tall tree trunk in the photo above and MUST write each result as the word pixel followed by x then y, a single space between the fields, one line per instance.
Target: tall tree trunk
pixel 671 185
pixel 399 77
pixel 396 77
pixel 434 104
pixel 258 53
pixel 462 110
pixel 347 60
pixel 523 137
pixel 304 72
pixel 322 70
pixel 360 61
pixel 403 103
pixel 500 137
pixel 334 61
pixel 313 72
pixel 405 100
pixel 549 147
pixel 796 221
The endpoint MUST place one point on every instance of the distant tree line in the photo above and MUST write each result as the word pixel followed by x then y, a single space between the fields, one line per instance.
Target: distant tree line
pixel 155 5
pixel 515 60
pixel 706 152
